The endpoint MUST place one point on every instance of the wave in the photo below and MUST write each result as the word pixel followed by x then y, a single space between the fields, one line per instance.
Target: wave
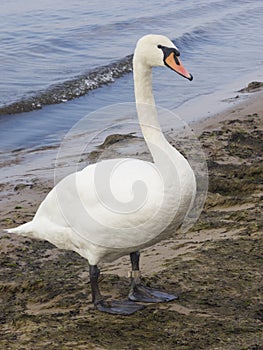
pixel 71 89
pixel 84 83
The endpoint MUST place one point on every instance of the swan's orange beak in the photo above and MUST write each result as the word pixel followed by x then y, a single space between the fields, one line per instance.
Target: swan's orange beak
pixel 175 64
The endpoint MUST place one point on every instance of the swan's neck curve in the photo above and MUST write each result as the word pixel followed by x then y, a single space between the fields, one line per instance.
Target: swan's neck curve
pixel 147 114
pixel 178 177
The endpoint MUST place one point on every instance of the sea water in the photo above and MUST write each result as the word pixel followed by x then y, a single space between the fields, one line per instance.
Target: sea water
pixel 62 60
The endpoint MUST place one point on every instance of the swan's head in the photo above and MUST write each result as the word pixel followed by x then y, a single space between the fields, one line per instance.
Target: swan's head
pixel 158 50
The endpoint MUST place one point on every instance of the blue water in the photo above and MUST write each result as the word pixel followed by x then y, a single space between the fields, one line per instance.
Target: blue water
pixel 49 43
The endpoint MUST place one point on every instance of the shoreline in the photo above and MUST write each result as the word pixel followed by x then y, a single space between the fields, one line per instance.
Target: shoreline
pixel 215 267
pixel 239 103
pixel 23 159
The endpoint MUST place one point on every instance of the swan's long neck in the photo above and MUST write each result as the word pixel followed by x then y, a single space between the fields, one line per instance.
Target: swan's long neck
pixel 147 113
pixel 177 175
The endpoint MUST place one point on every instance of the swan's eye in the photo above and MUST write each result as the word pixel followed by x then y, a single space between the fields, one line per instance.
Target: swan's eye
pixel 177 53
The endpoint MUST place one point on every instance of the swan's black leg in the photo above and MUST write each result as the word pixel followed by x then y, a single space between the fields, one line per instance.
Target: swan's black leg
pixel 119 307
pixel 140 293
pixel 135 261
pixel 94 274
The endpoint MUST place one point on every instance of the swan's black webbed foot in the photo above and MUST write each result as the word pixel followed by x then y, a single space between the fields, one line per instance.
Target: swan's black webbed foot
pixel 144 294
pixel 148 295
pixel 118 307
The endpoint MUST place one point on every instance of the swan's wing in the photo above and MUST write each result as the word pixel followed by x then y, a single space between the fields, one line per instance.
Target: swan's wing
pixel 115 203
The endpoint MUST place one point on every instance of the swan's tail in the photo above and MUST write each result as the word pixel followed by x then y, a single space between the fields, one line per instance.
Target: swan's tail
pixel 22 230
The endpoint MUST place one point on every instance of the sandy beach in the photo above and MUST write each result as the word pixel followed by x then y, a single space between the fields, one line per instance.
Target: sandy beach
pixel 215 268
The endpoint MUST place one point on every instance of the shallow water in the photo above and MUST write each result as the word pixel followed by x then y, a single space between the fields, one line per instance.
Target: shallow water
pixel 55 52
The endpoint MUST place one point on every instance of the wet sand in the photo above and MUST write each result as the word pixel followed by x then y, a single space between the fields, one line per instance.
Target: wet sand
pixel 215 268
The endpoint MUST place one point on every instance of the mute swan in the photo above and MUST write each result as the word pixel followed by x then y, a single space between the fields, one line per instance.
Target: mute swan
pixel 119 206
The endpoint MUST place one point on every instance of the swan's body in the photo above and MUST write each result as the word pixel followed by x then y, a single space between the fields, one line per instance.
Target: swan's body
pixel 97 212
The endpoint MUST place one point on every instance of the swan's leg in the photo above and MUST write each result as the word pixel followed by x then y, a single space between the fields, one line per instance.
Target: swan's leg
pixel 119 307
pixel 140 293
pixel 94 274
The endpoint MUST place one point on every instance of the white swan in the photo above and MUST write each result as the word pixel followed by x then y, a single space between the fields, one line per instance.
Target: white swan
pixel 119 206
